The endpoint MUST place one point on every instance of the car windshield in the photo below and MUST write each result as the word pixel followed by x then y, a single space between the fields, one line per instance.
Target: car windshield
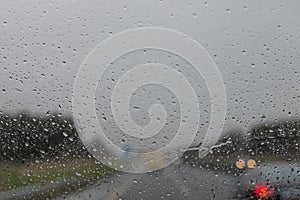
pixel 153 99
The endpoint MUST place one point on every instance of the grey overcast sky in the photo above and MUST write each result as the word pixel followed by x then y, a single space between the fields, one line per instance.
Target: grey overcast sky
pixel 255 44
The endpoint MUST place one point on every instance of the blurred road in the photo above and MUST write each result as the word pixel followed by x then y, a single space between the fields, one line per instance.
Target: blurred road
pixel 174 182
pixel 180 181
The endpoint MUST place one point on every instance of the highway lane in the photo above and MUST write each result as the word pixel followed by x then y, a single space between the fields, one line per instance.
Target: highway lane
pixel 177 181
pixel 180 181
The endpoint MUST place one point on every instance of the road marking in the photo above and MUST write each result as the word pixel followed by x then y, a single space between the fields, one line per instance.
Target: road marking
pixel 123 188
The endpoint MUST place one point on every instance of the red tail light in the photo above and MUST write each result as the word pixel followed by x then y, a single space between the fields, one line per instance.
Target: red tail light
pixel 263 191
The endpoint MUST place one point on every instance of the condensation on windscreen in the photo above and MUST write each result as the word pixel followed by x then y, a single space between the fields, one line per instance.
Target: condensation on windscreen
pixel 255 47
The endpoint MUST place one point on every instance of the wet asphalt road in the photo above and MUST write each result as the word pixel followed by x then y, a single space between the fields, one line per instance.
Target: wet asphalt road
pixel 174 182
pixel 179 181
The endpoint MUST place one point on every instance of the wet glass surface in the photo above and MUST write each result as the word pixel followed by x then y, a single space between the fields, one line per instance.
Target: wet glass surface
pixel 149 99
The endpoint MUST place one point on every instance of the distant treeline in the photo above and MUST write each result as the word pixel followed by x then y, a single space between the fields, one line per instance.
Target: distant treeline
pixel 275 138
pixel 280 138
pixel 24 136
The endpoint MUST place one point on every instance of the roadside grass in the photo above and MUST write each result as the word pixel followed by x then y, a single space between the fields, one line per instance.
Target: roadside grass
pixel 19 174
